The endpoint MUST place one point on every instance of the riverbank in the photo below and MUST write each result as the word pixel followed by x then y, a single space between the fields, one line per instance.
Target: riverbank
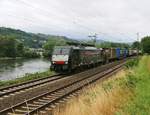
pixel 26 78
pixel 126 93
pixel 10 58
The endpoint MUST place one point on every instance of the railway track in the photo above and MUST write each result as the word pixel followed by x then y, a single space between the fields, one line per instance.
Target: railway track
pixel 28 90
pixel 26 85
pixel 44 101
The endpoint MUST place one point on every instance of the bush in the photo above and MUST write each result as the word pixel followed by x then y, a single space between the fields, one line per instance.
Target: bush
pixel 31 54
pixel 131 63
pixel 47 54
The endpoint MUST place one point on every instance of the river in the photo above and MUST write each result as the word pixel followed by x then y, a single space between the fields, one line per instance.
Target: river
pixel 11 69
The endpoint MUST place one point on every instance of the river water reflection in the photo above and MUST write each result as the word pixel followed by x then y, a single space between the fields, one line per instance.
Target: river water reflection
pixel 11 69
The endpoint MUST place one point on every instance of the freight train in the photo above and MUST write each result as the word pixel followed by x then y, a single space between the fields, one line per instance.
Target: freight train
pixel 71 57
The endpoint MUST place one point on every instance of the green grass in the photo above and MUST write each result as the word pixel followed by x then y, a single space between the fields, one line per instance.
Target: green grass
pixel 26 78
pixel 132 63
pixel 140 79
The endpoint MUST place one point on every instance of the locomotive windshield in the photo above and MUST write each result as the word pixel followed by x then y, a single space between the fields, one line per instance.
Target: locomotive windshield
pixel 61 51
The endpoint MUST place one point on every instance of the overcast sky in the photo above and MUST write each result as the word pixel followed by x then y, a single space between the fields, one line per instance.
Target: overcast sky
pixel 113 20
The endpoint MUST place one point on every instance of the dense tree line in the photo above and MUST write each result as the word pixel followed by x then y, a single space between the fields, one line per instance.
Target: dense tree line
pixel 17 43
pixel 11 47
pixel 8 46
pixel 49 45
pixel 112 45
pixel 30 53
pixel 144 45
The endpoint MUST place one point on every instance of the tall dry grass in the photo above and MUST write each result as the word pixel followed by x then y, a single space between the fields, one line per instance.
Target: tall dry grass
pixel 101 99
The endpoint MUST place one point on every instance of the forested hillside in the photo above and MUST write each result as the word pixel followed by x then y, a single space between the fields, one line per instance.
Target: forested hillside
pixel 30 40
pixel 17 43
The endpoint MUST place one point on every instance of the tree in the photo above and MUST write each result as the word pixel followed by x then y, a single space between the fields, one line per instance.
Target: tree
pixel 145 43
pixel 10 47
pixel 20 49
pixel 136 45
pixel 30 54
pixel 7 46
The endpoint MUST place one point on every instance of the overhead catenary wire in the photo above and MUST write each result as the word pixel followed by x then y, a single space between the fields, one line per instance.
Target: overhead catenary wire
pixel 61 17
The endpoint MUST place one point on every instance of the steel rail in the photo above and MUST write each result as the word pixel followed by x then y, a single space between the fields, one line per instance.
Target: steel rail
pixel 18 87
pixel 79 84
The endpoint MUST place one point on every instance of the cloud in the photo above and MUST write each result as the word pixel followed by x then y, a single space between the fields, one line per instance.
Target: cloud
pixel 113 20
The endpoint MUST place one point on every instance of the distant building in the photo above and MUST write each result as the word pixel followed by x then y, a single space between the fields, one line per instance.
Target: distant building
pixel 38 50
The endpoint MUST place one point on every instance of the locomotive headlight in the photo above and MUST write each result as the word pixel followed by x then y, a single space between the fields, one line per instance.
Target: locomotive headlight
pixel 66 62
pixel 53 62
